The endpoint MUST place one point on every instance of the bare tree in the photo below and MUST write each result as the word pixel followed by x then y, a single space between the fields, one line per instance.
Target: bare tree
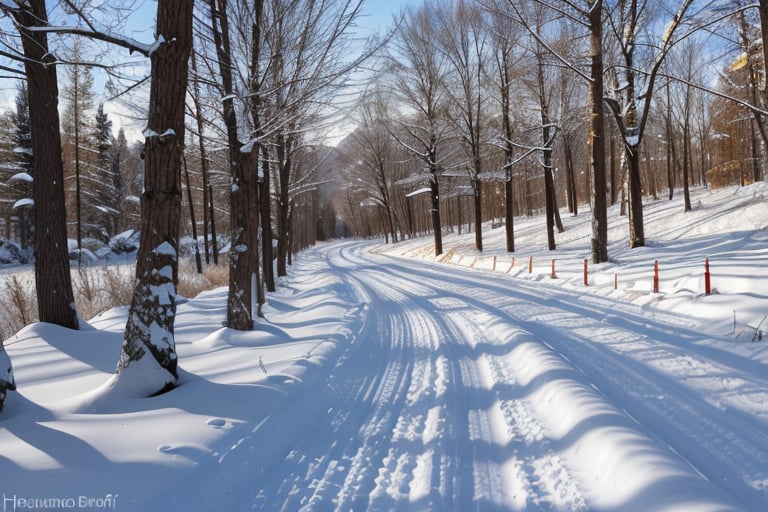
pixel 243 261
pixel 758 96
pixel 375 153
pixel 420 81
pixel 504 34
pixel 593 14
pixel 588 14
pixel 632 97
pixel 463 39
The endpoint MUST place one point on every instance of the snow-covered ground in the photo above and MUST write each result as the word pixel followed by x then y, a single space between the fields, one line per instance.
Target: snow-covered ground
pixel 384 378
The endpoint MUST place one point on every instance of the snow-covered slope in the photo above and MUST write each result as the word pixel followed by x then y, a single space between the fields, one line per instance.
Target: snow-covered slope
pixel 381 381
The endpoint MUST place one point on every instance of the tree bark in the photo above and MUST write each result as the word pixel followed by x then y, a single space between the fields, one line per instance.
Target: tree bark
pixel 55 298
pixel 435 198
pixel 597 137
pixel 636 230
pixel 243 262
pixel 265 210
pixel 255 106
pixel 763 10
pixel 148 363
pixel 203 154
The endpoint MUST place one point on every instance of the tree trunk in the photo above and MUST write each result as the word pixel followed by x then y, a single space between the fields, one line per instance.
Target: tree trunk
pixel 192 220
pixel 284 174
pixel 614 173
pixel 264 190
pixel 509 211
pixel 435 199
pixel 597 138
pixel 478 214
pixel 509 153
pixel 265 209
pixel 570 178
pixel 148 363
pixel 763 10
pixel 636 229
pixel 242 261
pixel 686 165
pixel 52 276
pixel 214 239
pixel 203 154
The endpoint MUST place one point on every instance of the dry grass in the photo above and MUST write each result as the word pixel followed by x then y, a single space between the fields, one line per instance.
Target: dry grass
pixel 18 306
pixel 96 289
pixel 191 283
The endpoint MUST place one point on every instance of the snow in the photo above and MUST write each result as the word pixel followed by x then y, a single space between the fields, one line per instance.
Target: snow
pixel 27 201
pixel 424 190
pixel 22 176
pixel 385 378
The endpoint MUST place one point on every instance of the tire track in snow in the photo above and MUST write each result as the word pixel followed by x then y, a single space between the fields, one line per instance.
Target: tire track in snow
pixel 366 386
pixel 723 444
pixel 432 411
pixel 538 476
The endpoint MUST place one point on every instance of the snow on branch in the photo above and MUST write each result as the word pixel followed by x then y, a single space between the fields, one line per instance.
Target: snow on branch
pixel 22 176
pixel 23 202
pixel 121 40
pixel 418 192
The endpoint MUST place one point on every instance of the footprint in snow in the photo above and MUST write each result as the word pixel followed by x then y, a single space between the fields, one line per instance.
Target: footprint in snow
pixel 216 422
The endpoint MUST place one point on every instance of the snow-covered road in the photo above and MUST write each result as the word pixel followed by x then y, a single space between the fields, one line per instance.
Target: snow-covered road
pixel 383 378
pixel 464 390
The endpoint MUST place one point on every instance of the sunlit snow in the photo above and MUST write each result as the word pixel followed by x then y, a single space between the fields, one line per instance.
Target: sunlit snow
pixel 385 378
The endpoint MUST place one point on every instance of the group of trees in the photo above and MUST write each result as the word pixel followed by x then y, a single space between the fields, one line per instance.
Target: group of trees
pixel 469 111
pixel 261 75
pixel 539 102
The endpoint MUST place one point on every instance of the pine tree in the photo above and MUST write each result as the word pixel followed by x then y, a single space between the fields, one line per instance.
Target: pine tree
pixel 78 162
pixel 106 174
pixel 22 188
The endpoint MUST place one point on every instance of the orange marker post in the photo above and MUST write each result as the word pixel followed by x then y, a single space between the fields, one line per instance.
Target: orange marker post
pixel 656 276
pixel 707 281
pixel 554 276
pixel 530 264
pixel 586 272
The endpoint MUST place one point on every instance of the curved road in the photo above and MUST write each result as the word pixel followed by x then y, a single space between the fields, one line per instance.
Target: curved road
pixel 467 390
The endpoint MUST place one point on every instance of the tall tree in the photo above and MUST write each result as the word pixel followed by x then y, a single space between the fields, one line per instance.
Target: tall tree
pixel 464 42
pixel 53 282
pixel 373 147
pixel 23 165
pixel 257 75
pixel 243 266
pixel 107 183
pixel 503 39
pixel 548 133
pixel 420 82
pixel 631 102
pixel 148 362
pixel 589 14
pixel 78 101
pixel 594 17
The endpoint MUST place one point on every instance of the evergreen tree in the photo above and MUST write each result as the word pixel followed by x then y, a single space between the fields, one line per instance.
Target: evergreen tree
pixel 106 173
pixel 78 154
pixel 22 185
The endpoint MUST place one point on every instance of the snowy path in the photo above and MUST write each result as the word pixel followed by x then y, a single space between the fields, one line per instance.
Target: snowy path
pixel 467 391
